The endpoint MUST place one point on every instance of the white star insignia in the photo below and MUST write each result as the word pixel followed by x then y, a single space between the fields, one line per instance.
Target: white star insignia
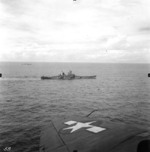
pixel 79 125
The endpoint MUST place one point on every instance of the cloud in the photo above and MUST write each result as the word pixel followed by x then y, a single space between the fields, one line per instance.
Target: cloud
pixel 145 30
pixel 74 31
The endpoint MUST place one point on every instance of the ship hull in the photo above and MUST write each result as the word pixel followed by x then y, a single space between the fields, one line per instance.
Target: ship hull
pixel 67 77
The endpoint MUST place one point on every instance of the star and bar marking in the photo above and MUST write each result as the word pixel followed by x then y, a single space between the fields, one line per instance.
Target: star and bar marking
pixel 78 125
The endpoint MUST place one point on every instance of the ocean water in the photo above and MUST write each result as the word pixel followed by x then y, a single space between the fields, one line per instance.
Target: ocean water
pixel 121 92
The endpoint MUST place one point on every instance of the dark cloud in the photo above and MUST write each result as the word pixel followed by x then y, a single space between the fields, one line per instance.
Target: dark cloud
pixel 14 7
pixel 145 29
pixel 18 25
pixel 105 39
pixel 120 45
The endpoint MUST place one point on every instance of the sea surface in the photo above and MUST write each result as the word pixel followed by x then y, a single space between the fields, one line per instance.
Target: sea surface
pixel 121 92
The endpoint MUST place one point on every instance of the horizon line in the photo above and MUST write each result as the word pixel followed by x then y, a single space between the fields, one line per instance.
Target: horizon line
pixel 74 62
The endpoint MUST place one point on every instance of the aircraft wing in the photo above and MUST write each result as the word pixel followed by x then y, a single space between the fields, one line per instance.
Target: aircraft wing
pixel 89 135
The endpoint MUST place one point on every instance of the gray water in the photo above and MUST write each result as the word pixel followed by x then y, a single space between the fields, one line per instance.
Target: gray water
pixel 121 92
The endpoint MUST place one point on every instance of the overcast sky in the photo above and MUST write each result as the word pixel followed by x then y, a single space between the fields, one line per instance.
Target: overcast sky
pixel 75 31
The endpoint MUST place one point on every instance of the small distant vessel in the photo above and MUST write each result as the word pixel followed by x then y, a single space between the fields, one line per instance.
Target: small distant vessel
pixel 26 64
pixel 69 76
pixel 0 75
pixel 148 74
